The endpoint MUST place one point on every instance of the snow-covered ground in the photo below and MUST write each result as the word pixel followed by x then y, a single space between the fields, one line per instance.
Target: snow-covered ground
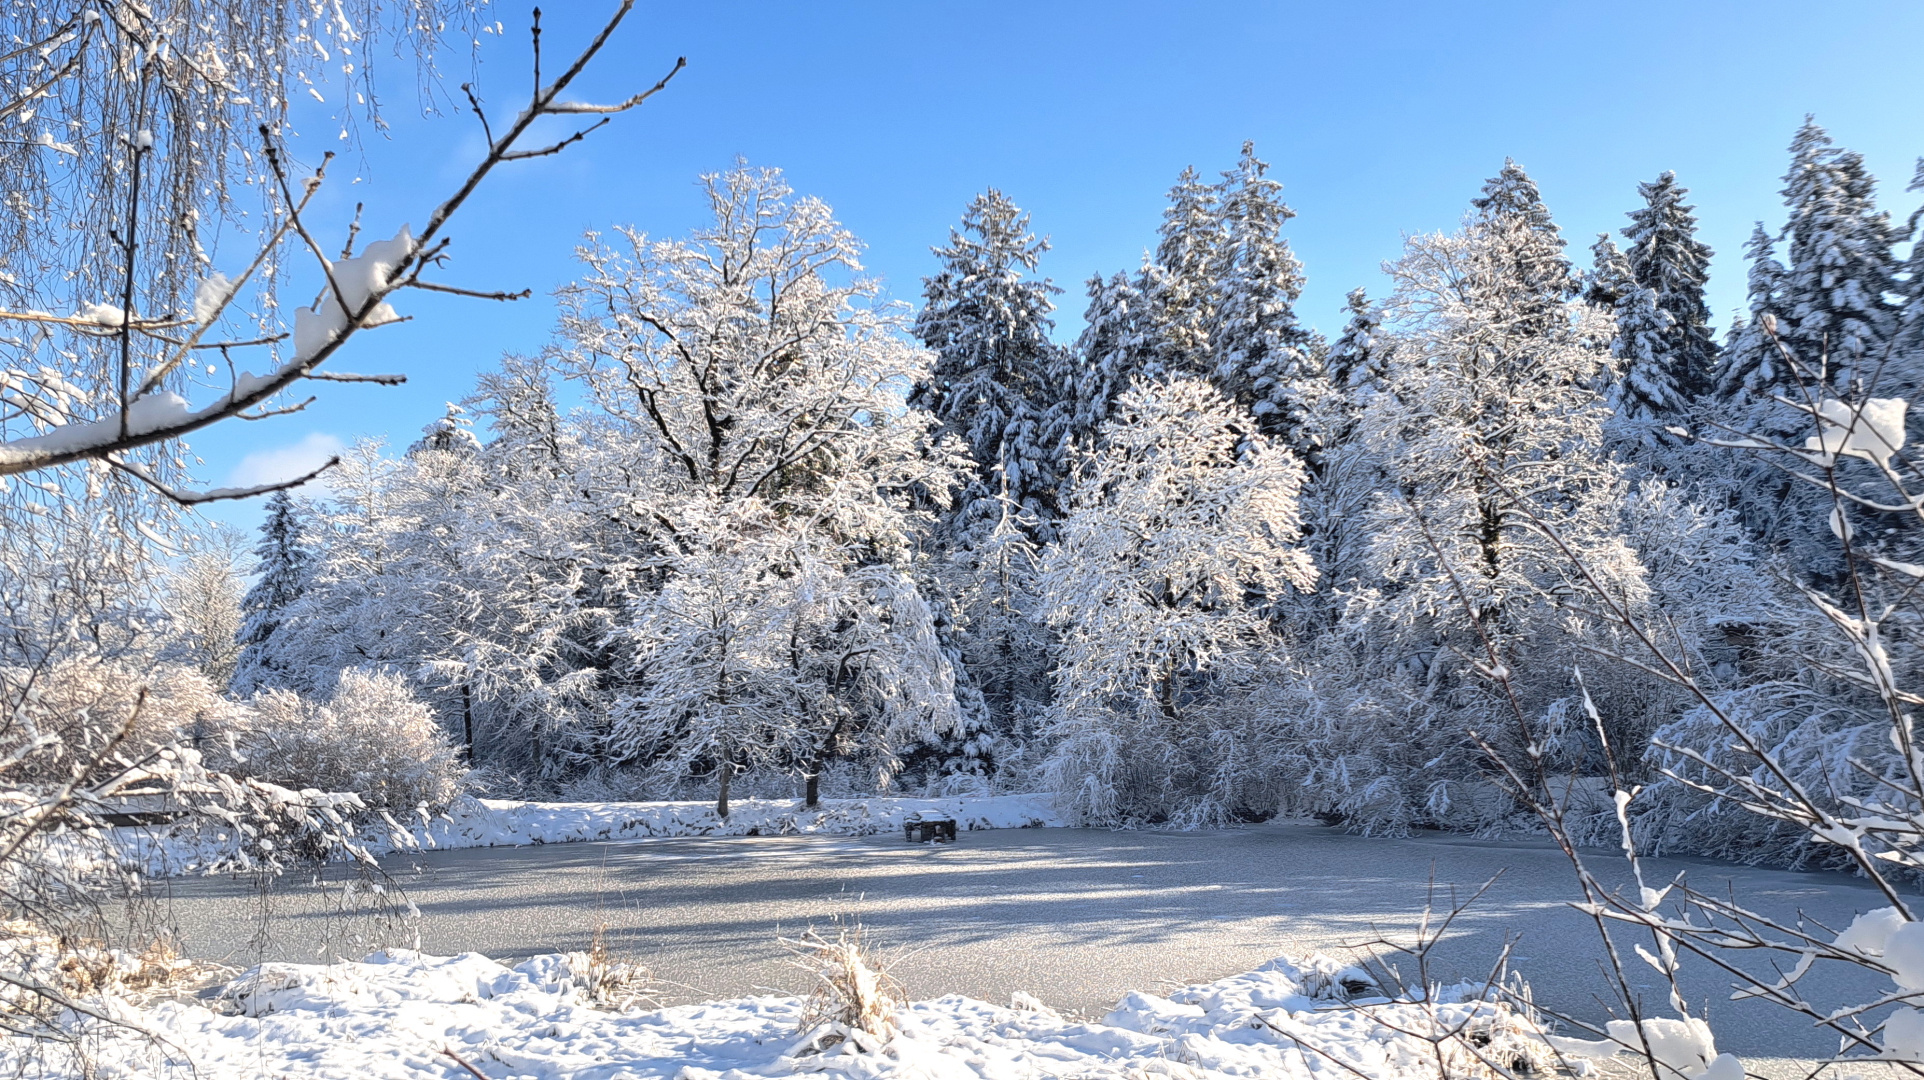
pixel 479 823
pixel 402 1014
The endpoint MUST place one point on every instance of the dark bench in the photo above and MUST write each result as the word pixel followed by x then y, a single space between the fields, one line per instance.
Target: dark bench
pixel 929 827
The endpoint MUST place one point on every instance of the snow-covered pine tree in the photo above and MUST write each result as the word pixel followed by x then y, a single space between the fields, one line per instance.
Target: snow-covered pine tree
pixel 997 384
pixel 452 434
pixel 1115 348
pixel 1645 391
pixel 1177 529
pixel 1353 358
pixel 1261 357
pixel 1180 284
pixel 1538 277
pixel 1751 367
pixel 1347 478
pixel 283 562
pixel 1609 276
pixel 1911 336
pixel 988 324
pixel 1666 257
pixel 1840 266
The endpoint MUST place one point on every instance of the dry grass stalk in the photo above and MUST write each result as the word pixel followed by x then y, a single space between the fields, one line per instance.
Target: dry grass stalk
pixel 608 981
pixel 853 1002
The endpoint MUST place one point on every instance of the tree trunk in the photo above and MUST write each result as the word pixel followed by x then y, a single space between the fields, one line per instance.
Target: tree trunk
pixel 812 787
pixel 467 720
pixel 727 774
pixel 1168 694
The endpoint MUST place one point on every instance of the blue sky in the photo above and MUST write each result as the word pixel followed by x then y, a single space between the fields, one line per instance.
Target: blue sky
pixel 1379 118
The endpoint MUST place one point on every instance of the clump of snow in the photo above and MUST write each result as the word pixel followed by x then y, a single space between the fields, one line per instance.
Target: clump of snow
pixel 145 415
pixel 1684 1048
pixel 1870 932
pixel 1873 432
pixel 402 1014
pixel 104 314
pixel 1904 1035
pixel 472 823
pixel 212 292
pixel 357 279
pixel 1904 955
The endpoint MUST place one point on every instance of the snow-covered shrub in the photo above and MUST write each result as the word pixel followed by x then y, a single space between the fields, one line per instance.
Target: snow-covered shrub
pixel 1828 742
pixel 81 704
pixel 373 737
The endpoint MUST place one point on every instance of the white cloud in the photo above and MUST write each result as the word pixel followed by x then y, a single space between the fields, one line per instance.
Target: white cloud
pixel 286 462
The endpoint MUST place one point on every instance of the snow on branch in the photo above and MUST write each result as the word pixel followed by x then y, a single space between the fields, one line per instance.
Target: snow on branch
pixel 355 298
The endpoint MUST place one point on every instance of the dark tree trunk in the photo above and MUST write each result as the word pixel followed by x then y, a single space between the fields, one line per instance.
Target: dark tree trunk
pixel 467 720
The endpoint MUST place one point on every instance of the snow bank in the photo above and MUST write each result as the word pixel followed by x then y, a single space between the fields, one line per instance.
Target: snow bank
pixel 393 1015
pixel 472 823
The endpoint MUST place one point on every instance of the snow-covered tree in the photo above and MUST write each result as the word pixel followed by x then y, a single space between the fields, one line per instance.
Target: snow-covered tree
pixel 1488 431
pixel 1354 357
pixel 752 440
pixel 988 325
pixel 1839 265
pixel 283 562
pixel 1609 276
pixel 1116 347
pixel 1180 284
pixel 1263 358
pixel 1666 257
pixel 204 604
pixel 1646 388
pixel 1752 366
pixel 1179 528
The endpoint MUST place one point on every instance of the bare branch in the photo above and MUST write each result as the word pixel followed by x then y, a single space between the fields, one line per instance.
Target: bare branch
pixel 195 498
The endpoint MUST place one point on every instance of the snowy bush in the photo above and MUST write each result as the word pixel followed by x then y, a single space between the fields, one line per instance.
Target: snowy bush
pixel 373 737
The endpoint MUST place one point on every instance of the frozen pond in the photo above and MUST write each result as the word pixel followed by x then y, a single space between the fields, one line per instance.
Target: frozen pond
pixel 1076 917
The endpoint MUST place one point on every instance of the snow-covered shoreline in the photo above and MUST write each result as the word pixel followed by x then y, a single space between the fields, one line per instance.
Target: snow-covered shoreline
pixel 401 1014
pixel 477 823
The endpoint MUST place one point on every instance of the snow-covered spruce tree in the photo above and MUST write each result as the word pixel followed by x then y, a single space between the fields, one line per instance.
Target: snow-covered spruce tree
pixel 1910 336
pixel 1609 276
pixel 1117 346
pixel 1354 358
pixel 988 325
pixel 1488 426
pixel 1751 367
pixel 994 387
pixel 1346 479
pixel 283 562
pixel 1261 357
pixel 753 444
pixel 1666 257
pixel 1823 316
pixel 1645 392
pixel 1178 528
pixel 1179 285
pixel 1840 270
